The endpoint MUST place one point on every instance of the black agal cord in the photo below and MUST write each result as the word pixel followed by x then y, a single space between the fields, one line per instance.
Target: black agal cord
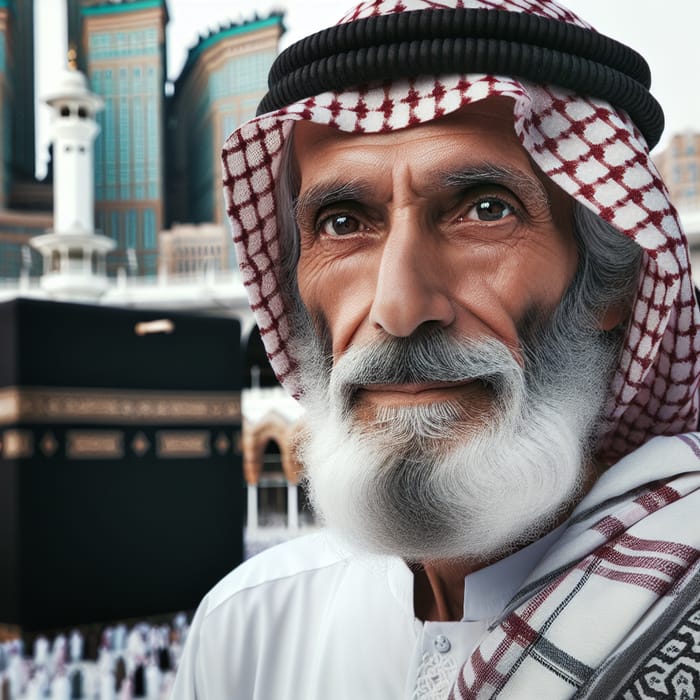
pixel 443 42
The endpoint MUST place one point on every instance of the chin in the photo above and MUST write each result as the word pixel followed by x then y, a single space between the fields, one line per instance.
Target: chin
pixel 473 475
pixel 480 496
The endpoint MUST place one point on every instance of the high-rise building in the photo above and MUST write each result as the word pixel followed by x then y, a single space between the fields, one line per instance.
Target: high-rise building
pixel 21 65
pixel 124 48
pixel 220 86
pixel 679 165
pixel 24 204
pixel 6 111
pixel 156 164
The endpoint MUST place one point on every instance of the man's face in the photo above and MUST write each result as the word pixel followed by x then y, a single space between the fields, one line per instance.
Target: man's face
pixel 455 417
pixel 445 223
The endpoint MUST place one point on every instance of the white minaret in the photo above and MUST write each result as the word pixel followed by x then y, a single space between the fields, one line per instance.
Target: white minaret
pixel 74 255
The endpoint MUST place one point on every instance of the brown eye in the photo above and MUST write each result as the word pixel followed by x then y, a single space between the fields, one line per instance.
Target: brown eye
pixel 489 209
pixel 340 225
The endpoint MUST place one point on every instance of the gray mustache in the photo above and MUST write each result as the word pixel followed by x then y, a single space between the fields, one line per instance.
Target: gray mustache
pixel 428 356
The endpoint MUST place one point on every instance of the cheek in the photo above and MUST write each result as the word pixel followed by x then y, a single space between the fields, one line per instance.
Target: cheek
pixel 544 278
pixel 495 292
pixel 541 279
pixel 339 291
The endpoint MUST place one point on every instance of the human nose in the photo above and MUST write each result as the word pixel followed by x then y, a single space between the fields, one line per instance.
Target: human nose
pixel 411 286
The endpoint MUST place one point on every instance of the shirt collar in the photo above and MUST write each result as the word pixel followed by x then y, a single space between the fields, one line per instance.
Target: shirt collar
pixel 487 591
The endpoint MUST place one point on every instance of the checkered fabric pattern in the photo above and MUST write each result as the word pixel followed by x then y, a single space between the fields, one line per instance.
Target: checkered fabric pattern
pixel 604 589
pixel 591 150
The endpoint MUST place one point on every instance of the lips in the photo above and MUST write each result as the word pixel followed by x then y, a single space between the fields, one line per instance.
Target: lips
pixel 414 393
pixel 414 388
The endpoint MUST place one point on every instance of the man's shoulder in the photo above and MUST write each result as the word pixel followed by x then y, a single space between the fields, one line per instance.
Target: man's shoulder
pixel 308 554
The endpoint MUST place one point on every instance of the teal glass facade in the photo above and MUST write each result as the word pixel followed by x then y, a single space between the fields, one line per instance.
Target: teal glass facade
pixel 126 67
pixel 127 151
pixel 15 252
pixel 224 79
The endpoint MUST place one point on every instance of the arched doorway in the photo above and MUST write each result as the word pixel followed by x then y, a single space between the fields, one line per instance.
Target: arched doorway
pixel 272 474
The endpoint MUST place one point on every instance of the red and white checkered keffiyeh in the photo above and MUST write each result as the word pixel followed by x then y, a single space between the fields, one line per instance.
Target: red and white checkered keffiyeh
pixel 590 149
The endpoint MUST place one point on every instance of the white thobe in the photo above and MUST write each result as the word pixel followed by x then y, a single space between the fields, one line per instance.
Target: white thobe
pixel 309 620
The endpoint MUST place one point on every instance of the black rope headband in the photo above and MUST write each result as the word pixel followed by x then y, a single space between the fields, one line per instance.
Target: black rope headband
pixel 442 42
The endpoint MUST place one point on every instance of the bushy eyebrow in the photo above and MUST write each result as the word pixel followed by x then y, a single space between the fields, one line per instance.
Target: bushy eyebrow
pixel 528 187
pixel 324 194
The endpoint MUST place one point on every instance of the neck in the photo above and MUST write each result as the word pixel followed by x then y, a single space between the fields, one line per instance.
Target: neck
pixel 438 590
pixel 438 586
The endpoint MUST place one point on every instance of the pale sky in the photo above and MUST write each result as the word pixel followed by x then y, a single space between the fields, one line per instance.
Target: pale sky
pixel 665 33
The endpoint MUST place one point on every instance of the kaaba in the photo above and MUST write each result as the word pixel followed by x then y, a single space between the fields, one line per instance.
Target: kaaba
pixel 121 491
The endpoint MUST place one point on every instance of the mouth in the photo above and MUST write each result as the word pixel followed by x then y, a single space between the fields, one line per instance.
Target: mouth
pixel 414 387
pixel 418 392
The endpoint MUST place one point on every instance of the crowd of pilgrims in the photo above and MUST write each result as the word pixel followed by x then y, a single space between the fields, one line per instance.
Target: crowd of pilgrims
pixel 135 662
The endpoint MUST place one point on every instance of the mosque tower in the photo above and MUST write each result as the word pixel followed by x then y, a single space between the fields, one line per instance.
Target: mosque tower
pixel 74 255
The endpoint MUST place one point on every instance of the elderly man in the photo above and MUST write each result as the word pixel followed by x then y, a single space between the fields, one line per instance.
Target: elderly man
pixel 464 263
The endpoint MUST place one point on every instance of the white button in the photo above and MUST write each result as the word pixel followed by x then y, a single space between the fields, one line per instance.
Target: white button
pixel 442 643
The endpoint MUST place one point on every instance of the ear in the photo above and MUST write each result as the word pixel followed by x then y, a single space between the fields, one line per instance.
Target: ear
pixel 613 316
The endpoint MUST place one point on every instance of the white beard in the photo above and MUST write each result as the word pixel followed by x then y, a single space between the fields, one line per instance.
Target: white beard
pixel 418 483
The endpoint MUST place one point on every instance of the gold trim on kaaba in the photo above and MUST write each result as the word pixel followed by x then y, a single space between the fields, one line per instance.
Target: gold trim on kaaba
pixel 222 443
pixel 71 405
pixel 17 444
pixel 140 444
pixel 94 444
pixel 183 443
pixel 48 444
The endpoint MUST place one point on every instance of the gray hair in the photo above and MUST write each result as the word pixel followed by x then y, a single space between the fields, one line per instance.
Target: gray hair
pixel 609 263
pixel 608 267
